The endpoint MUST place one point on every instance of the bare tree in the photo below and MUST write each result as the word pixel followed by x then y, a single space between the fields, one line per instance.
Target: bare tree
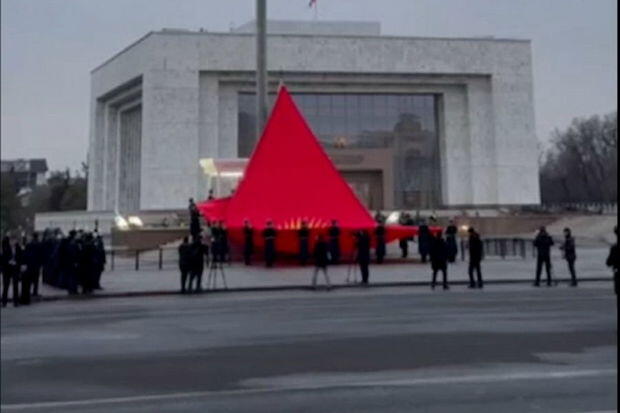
pixel 582 164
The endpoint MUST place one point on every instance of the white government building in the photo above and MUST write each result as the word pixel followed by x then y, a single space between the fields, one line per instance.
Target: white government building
pixel 412 123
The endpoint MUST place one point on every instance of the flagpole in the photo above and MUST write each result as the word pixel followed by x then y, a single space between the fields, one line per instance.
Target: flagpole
pixel 261 67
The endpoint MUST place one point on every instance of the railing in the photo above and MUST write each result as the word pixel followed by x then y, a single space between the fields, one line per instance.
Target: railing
pixel 167 257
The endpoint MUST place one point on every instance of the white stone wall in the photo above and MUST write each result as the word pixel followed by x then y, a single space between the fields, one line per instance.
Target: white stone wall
pixel 190 82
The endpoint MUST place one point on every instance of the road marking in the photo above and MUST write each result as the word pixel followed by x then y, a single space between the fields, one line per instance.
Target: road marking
pixel 488 378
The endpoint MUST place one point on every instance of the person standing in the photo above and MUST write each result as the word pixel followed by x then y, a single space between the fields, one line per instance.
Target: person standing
pixel 269 236
pixel 248 242
pixel 363 255
pixel 194 219
pixel 198 252
pixel 424 241
pixel 403 243
pixel 304 243
pixel 569 252
pixel 451 233
pixel 184 262
pixel 380 239
pixel 100 261
pixel 612 260
pixel 11 263
pixel 321 260
pixel 476 254
pixel 439 259
pixel 223 244
pixel 543 243
pixel 38 264
pixel 87 274
pixel 334 242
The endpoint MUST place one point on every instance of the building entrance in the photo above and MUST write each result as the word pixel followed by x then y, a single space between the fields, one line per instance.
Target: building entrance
pixel 368 186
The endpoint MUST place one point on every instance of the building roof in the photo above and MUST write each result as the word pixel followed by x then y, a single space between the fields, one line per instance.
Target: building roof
pixel 318 28
pixel 38 165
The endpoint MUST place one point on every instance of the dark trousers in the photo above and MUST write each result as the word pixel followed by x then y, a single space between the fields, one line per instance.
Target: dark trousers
pixel 196 275
pixel 247 255
pixel 270 254
pixel 573 273
pixel 8 277
pixel 546 261
pixel 380 251
pixel 404 247
pixel 475 266
pixel 303 252
pixel 364 270
pixel 444 271
pixel 334 250
pixel 184 273
pixel 26 280
pixel 34 281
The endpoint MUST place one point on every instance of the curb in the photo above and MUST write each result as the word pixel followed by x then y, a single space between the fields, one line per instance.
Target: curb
pixel 298 288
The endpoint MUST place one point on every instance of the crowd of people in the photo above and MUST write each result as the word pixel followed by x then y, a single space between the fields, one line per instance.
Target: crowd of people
pixel 73 262
pixel 440 248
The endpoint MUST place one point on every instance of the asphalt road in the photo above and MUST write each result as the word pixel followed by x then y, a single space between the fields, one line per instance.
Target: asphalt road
pixel 508 349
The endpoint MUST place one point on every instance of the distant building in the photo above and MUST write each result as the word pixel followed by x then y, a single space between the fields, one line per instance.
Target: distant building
pixel 410 122
pixel 27 173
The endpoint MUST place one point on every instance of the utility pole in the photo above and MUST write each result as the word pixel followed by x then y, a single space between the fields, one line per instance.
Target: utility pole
pixel 261 67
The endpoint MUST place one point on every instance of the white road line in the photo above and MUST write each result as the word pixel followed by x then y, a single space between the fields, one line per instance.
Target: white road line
pixel 488 378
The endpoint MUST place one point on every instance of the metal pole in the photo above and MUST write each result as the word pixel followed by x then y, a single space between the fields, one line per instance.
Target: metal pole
pixel 261 66
pixel 161 258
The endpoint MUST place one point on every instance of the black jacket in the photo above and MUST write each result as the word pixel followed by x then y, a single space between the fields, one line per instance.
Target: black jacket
pixel 543 244
pixel 321 258
pixel 476 248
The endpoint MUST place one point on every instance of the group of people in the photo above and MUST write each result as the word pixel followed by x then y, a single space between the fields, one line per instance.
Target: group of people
pixel 438 247
pixel 74 262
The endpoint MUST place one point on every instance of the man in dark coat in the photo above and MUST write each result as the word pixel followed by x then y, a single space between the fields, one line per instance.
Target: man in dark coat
pixel 269 235
pixel 12 259
pixel 334 242
pixel 439 259
pixel 424 241
pixel 363 255
pixel 194 219
pixel 451 233
pixel 569 252
pixel 321 260
pixel 304 243
pixel 224 247
pixel 87 261
pixel 476 253
pixel 184 262
pixel 100 261
pixel 380 239
pixel 248 242
pixel 198 252
pixel 37 264
pixel 612 260
pixel 543 243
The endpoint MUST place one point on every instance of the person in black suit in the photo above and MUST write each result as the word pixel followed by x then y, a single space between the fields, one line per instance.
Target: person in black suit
pixel 12 259
pixel 321 260
pixel 269 235
pixel 439 259
pixel 248 242
pixel 198 252
pixel 304 243
pixel 380 238
pixel 543 243
pixel 185 262
pixel 363 255
pixel 334 242
pixel 569 251
pixel 476 254
pixel 34 249
pixel 424 241
pixel 451 233
pixel 100 261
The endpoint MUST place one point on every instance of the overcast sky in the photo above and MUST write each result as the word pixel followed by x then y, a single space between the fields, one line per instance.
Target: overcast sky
pixel 50 46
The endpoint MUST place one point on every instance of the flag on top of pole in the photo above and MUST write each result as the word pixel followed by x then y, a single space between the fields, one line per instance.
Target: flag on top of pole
pixel 312 3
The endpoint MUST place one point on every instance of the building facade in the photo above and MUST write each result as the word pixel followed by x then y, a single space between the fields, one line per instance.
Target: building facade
pixel 411 123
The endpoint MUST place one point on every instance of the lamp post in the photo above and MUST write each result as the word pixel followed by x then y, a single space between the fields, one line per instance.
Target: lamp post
pixel 261 66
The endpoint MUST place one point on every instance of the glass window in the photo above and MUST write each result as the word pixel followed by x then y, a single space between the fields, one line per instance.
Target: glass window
pixel 404 123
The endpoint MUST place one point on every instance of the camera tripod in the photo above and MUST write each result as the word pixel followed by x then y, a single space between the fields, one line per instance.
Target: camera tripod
pixel 215 265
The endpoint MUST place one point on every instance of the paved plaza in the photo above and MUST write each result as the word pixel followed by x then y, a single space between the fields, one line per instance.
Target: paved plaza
pixel 507 348
pixel 149 279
